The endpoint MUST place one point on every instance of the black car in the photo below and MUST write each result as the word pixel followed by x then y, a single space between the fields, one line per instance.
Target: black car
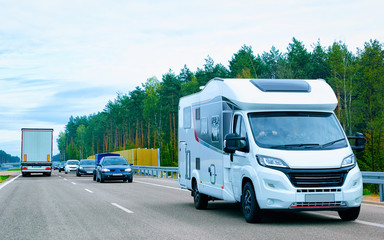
pixel 114 168
pixel 86 167
pixel 61 166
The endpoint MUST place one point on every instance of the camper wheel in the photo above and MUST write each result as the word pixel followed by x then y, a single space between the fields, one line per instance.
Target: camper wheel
pixel 200 200
pixel 249 206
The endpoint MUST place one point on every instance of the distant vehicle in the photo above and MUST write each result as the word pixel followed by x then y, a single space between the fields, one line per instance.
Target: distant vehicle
pixel 98 158
pixel 36 151
pixel 62 166
pixel 114 168
pixel 55 165
pixel 86 167
pixel 268 144
pixel 71 165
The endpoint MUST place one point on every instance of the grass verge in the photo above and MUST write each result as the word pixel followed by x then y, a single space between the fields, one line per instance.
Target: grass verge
pixel 3 178
pixel 15 169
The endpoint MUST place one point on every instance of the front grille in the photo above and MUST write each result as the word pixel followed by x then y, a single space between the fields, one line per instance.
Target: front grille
pixel 318 204
pixel 317 179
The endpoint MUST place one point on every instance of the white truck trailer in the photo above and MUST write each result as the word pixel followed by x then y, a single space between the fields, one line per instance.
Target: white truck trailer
pixel 36 151
pixel 269 144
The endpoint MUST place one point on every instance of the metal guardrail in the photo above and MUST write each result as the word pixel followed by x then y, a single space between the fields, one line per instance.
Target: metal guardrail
pixel 166 172
pixel 171 172
pixel 376 178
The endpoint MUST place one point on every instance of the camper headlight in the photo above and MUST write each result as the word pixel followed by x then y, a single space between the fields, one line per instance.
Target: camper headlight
pixel 348 161
pixel 271 162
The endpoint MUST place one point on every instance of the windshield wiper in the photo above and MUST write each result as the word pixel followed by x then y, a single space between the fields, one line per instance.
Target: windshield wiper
pixel 306 145
pixel 331 143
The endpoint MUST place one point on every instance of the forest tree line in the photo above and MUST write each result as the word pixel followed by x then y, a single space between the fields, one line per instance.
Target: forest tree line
pixel 146 117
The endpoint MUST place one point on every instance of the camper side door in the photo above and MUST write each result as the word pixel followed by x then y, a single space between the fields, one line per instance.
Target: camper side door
pixel 240 157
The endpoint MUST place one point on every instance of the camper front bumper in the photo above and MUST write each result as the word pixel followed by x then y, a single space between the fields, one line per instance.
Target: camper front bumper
pixel 279 190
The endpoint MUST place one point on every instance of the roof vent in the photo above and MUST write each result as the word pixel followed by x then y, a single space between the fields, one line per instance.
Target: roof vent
pixel 281 85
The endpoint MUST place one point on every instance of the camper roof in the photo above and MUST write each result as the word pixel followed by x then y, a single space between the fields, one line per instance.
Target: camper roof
pixel 272 94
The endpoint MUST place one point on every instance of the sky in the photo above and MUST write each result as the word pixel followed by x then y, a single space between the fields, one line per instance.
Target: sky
pixel 65 57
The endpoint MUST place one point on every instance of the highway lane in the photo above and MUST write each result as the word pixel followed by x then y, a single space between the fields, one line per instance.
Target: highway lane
pixel 64 206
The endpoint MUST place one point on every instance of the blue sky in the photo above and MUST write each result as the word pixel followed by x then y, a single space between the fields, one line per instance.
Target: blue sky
pixel 62 58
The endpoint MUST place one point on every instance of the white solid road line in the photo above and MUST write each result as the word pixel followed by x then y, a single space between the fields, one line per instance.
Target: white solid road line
pixel 158 185
pixel 88 190
pixel 356 221
pixel 8 182
pixel 122 208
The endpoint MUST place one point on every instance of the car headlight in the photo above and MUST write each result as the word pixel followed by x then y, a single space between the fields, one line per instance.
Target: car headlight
pixel 271 162
pixel 348 161
pixel 105 170
pixel 81 168
pixel 128 170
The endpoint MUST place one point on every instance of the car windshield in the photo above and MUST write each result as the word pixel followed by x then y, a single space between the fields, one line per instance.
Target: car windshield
pixel 297 130
pixel 87 162
pixel 115 161
pixel 73 163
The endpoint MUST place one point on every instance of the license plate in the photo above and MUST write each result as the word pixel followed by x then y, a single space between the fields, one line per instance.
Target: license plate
pixel 320 197
pixel 89 171
pixel 117 174
pixel 35 166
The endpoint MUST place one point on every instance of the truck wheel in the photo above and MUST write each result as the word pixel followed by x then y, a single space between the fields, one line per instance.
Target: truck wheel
pixel 200 200
pixel 249 206
pixel 350 214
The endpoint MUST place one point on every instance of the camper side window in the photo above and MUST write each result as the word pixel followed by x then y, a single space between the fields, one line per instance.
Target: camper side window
pixel 240 131
pixel 187 117
pixel 215 128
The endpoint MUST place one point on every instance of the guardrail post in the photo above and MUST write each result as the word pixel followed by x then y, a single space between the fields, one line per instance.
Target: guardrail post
pixel 381 189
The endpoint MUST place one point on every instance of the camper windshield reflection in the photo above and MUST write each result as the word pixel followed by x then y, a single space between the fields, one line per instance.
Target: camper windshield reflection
pixel 297 131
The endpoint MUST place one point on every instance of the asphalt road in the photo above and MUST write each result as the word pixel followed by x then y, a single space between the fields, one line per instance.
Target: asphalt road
pixel 64 206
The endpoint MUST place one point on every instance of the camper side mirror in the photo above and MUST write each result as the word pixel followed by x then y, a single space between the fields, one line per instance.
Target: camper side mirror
pixel 359 142
pixel 231 143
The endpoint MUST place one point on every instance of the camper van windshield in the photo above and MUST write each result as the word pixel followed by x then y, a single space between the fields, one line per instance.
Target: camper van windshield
pixel 297 131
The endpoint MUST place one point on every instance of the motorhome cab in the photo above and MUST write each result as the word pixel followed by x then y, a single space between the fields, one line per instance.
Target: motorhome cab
pixel 269 144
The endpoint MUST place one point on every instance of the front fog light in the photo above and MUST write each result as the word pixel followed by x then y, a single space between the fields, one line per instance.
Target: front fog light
pixel 348 161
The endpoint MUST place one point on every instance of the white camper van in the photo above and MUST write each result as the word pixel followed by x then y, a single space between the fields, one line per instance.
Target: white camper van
pixel 269 144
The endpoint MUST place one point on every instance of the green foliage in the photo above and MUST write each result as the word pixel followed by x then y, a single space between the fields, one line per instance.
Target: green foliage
pixel 147 117
pixel 7 158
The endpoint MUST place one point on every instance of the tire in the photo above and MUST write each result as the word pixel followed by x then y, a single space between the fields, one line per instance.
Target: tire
pixel 130 179
pixel 125 180
pixel 48 174
pixel 101 178
pixel 59 170
pixel 94 177
pixel 200 200
pixel 350 214
pixel 249 206
pixel 78 174
pixel 24 174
